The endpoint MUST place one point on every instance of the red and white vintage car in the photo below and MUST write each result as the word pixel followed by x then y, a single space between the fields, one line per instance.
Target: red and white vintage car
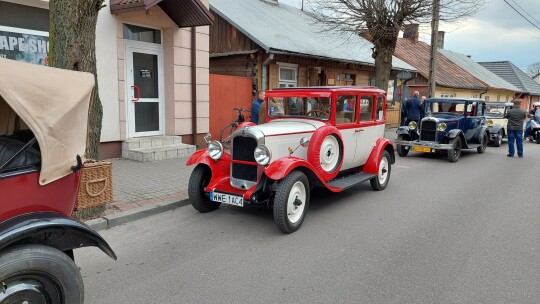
pixel 330 137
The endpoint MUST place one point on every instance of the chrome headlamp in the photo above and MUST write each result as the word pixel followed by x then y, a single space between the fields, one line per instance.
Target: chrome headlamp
pixel 442 126
pixel 413 125
pixel 489 122
pixel 262 155
pixel 215 150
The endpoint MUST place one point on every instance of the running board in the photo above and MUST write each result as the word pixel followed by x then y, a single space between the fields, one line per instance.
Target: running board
pixel 473 146
pixel 351 180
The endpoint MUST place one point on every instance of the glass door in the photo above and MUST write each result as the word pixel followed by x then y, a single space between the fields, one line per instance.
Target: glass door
pixel 144 87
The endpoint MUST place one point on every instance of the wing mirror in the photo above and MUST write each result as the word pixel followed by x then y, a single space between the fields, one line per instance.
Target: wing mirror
pixel 304 142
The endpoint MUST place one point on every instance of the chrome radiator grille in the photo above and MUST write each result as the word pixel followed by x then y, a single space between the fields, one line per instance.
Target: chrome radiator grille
pixel 242 149
pixel 428 130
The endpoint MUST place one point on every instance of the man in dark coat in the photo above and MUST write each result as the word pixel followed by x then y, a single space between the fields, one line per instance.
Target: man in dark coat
pixel 515 116
pixel 256 105
pixel 413 108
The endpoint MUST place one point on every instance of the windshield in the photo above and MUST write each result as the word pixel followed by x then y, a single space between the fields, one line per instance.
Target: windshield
pixel 449 108
pixel 299 107
pixel 494 110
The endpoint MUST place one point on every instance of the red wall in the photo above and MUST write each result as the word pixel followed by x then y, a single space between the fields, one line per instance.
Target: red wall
pixel 226 93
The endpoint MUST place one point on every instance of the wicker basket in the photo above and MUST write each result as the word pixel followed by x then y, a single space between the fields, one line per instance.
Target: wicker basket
pixel 95 189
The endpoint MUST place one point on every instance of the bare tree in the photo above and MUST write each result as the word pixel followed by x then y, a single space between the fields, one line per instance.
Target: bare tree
pixel 533 69
pixel 72 39
pixel 383 19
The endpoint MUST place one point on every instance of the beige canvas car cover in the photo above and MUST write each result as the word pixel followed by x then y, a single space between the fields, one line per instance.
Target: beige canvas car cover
pixel 53 103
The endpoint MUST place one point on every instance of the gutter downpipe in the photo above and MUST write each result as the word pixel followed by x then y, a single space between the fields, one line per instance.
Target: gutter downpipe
pixel 194 85
pixel 264 70
pixel 486 90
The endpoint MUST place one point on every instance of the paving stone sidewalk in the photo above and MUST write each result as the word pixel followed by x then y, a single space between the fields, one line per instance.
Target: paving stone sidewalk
pixel 139 186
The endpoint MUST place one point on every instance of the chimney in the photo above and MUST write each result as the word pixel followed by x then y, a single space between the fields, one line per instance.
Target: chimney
pixel 411 32
pixel 440 39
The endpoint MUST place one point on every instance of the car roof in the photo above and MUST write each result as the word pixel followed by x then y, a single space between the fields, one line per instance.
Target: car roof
pixel 332 89
pixel 506 104
pixel 454 100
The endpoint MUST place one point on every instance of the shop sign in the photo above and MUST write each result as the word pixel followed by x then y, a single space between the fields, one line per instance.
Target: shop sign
pixel 24 45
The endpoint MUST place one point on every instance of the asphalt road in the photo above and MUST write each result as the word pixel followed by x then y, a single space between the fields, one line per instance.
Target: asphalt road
pixel 467 232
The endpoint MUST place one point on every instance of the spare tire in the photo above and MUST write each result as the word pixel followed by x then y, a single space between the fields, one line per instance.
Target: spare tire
pixel 325 151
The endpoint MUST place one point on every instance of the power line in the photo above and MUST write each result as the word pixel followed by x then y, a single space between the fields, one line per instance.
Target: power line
pixel 522 15
pixel 525 11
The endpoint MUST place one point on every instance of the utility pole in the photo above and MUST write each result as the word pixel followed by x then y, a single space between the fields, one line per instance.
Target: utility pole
pixel 433 52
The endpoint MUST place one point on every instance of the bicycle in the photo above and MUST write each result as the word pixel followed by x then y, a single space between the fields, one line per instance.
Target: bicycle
pixel 228 130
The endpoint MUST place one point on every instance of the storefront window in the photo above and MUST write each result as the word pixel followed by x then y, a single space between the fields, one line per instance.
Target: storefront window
pixel 144 34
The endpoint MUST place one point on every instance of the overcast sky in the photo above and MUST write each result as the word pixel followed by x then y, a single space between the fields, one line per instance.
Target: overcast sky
pixel 496 33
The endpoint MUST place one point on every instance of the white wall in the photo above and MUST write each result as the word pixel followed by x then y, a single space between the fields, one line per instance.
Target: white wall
pixel 107 71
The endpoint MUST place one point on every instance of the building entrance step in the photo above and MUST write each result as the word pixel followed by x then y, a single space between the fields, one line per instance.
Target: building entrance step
pixel 155 148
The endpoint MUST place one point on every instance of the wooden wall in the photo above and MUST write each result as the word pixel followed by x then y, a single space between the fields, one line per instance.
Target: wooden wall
pixel 225 38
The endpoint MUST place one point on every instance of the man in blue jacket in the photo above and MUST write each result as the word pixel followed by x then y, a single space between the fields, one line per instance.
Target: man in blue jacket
pixel 256 105
pixel 413 109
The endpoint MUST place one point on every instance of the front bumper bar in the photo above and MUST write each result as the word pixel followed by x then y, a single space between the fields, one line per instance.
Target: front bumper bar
pixel 426 144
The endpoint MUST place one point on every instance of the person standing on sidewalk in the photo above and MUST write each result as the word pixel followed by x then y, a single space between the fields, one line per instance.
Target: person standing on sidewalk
pixel 515 116
pixel 256 105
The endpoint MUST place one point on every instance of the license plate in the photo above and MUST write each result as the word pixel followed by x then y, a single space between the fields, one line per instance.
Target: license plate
pixel 227 199
pixel 421 149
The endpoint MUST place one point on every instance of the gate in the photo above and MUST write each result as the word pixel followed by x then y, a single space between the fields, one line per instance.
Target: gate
pixel 226 93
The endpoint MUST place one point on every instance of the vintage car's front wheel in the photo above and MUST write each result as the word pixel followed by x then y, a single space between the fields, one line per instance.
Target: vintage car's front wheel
pixel 455 153
pixel 39 274
pixel 402 151
pixel 325 152
pixel 199 179
pixel 383 176
pixel 538 137
pixel 291 202
pixel 482 148
pixel 497 141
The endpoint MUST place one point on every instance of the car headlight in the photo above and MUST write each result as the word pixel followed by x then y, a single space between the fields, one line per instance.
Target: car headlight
pixel 413 125
pixel 215 150
pixel 442 126
pixel 489 122
pixel 262 155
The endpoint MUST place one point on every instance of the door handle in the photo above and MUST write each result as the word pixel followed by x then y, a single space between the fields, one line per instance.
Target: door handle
pixel 138 90
pixel 358 130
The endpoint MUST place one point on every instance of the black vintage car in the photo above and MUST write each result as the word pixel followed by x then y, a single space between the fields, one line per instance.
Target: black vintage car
pixel 449 125
pixel 495 113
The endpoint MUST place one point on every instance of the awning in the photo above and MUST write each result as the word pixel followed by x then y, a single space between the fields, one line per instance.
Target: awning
pixel 185 13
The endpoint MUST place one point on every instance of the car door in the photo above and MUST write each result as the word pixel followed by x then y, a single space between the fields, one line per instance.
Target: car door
pixel 346 119
pixel 370 127
pixel 473 122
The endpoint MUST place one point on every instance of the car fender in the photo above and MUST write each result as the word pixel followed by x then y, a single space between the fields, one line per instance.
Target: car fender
pixel 494 129
pixel 404 130
pixel 218 167
pixel 52 229
pixel 282 167
pixel 454 133
pixel 372 164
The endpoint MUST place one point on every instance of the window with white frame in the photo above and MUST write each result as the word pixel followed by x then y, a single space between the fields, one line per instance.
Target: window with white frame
pixel 474 96
pixel 287 75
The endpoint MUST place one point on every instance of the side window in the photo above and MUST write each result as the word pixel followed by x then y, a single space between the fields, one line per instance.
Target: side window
pixel 366 108
pixel 345 109
pixel 380 108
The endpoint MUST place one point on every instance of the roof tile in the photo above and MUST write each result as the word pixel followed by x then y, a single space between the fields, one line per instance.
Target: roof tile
pixel 448 73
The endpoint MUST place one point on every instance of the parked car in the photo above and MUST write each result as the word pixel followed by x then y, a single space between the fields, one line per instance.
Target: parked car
pixel 309 140
pixel 495 113
pixel 43 115
pixel 450 125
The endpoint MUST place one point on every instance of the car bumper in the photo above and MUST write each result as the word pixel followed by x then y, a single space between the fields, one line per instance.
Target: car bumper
pixel 433 146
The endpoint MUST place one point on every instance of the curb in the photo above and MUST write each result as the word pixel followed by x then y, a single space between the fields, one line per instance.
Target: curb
pixel 118 219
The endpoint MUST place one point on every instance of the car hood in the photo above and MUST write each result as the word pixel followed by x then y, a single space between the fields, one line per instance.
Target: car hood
pixel 451 121
pixel 288 126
